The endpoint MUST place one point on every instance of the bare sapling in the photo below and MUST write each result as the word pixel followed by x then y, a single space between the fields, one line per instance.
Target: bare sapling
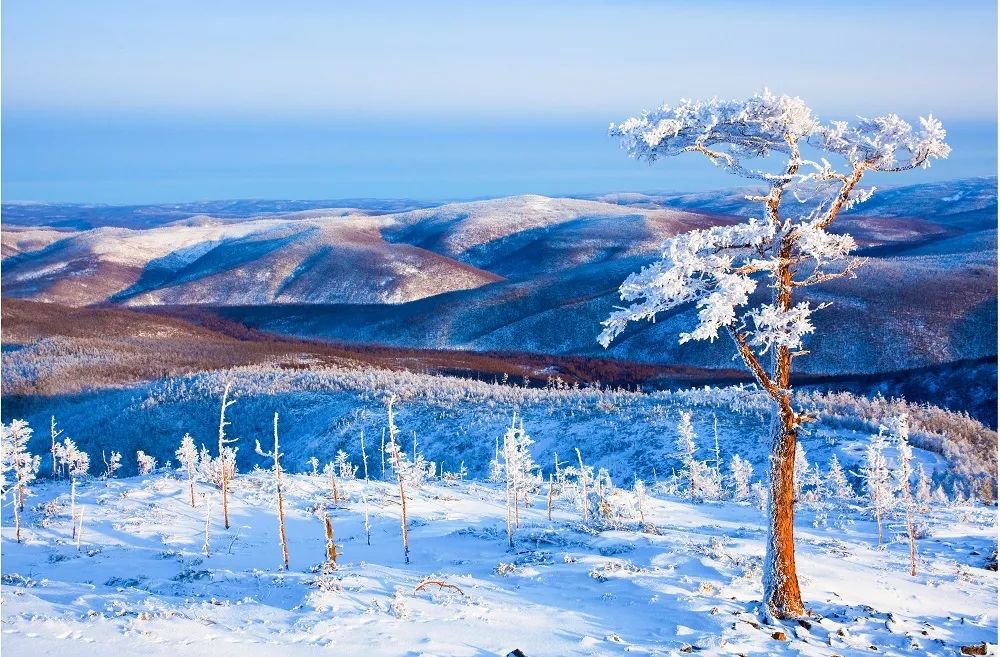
pixel 583 487
pixel 330 470
pixel 276 454
pixel 79 530
pixel 394 449
pixel 549 501
pixel 54 434
pixel 364 456
pixel 382 452
pixel 227 455
pixel 364 491
pixel 900 428
pixel 112 466
pixel 207 546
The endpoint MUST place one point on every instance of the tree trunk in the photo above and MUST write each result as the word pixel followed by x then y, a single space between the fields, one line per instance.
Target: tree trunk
pixel 331 546
pixel 782 597
pixel 225 500
pixel 191 486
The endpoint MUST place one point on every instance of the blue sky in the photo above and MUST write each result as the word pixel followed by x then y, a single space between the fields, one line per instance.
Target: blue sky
pixel 173 101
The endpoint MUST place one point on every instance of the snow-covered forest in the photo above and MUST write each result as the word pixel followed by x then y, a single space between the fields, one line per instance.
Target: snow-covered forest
pixel 587 502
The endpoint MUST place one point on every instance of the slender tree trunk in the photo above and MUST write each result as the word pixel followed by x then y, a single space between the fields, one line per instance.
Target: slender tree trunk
pixel 79 531
pixel 281 496
pixel 225 498
pixel 331 545
pixel 402 501
pixel 17 523
pixel 782 597
pixel 207 547
pixel 54 435
pixel 191 486
pixel 878 521
pixel 549 504
pixel 72 503
pixel 583 485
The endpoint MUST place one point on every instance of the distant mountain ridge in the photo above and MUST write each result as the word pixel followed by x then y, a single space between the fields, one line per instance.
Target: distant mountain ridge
pixel 524 273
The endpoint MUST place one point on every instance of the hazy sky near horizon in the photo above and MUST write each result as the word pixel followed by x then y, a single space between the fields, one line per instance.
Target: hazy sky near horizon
pixel 121 101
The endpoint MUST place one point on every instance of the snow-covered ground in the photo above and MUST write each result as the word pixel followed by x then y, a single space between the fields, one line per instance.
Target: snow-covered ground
pixel 688 581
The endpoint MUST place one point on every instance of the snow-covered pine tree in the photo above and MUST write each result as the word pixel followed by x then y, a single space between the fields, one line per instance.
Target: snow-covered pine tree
pixel 875 472
pixel 112 466
pixel 187 456
pixel 836 484
pixel 146 463
pixel 719 268
pixel 276 468
pixel 740 471
pixel 17 463
pixel 899 430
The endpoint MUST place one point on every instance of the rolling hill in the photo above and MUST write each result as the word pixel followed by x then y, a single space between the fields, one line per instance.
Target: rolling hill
pixel 526 273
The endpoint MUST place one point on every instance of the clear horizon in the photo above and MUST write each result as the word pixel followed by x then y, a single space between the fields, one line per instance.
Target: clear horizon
pixel 177 102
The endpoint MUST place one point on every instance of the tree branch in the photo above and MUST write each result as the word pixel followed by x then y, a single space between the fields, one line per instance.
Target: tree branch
pixel 845 193
pixel 751 360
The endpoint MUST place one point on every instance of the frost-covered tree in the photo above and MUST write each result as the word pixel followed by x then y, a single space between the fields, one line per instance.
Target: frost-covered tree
pixel 76 463
pixel 343 464
pixel 520 472
pixel 878 486
pixel 54 434
pixel 187 456
pixel 923 494
pixel 800 472
pixel 279 494
pixel 789 247
pixel 685 451
pixel 17 464
pixel 225 463
pixel 836 484
pixel 112 466
pixel 740 471
pixel 393 450
pixel 899 430
pixel 145 462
